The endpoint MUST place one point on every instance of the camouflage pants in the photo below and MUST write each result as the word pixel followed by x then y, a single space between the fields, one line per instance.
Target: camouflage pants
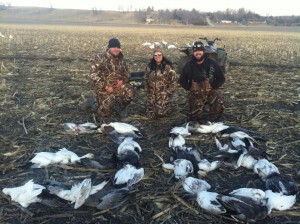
pixel 107 101
pixel 202 94
pixel 157 104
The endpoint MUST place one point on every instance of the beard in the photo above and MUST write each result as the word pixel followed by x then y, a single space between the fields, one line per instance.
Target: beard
pixel 199 59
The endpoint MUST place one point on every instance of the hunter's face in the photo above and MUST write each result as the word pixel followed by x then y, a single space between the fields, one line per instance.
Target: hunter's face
pixel 115 51
pixel 198 54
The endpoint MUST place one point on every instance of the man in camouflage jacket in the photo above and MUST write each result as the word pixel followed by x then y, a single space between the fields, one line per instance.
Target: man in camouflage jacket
pixel 202 76
pixel 110 75
pixel 160 83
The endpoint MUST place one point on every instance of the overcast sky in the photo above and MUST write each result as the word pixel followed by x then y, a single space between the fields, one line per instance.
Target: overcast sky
pixel 262 7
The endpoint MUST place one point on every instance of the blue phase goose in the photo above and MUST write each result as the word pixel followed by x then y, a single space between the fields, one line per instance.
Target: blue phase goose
pixel 126 157
pixel 264 168
pixel 244 208
pixel 78 193
pixel 176 141
pixel 128 176
pixel 208 202
pixel 193 185
pixel 129 144
pixel 277 183
pixel 109 198
pixel 181 168
pixel 187 153
pixel 254 193
pixel 127 153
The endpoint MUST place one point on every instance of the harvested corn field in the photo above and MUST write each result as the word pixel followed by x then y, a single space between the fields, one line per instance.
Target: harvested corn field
pixel 44 83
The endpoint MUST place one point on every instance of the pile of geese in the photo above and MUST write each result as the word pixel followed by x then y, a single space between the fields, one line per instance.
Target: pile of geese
pixel 240 150
pixel 58 194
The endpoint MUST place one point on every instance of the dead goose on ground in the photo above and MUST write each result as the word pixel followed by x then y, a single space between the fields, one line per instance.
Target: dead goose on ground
pixel 264 168
pixel 244 208
pixel 109 199
pixel 278 183
pixel 25 194
pixel 208 202
pixel 196 127
pixel 188 153
pixel 176 141
pixel 43 159
pixel 129 144
pixel 193 185
pixel 72 156
pixel 78 193
pixel 204 166
pixel 128 176
pixel 126 157
pixel 80 128
pixel 180 167
pixel 254 193
pixel 117 131
pixel 279 201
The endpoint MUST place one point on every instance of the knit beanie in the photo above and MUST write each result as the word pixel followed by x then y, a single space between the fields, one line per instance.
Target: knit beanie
pixel 114 42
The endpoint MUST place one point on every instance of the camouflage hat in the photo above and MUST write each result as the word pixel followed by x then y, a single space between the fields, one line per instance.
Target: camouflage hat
pixel 157 49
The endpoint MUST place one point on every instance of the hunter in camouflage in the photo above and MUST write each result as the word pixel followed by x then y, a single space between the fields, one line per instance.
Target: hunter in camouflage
pixel 110 75
pixel 203 76
pixel 160 84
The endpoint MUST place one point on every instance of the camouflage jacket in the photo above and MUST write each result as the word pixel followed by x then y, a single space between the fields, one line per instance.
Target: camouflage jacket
pixel 162 78
pixel 106 70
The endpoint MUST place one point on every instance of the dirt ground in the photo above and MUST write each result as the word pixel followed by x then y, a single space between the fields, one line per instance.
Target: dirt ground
pixel 43 83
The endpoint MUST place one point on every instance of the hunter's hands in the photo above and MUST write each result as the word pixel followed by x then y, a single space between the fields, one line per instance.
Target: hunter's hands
pixel 119 83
